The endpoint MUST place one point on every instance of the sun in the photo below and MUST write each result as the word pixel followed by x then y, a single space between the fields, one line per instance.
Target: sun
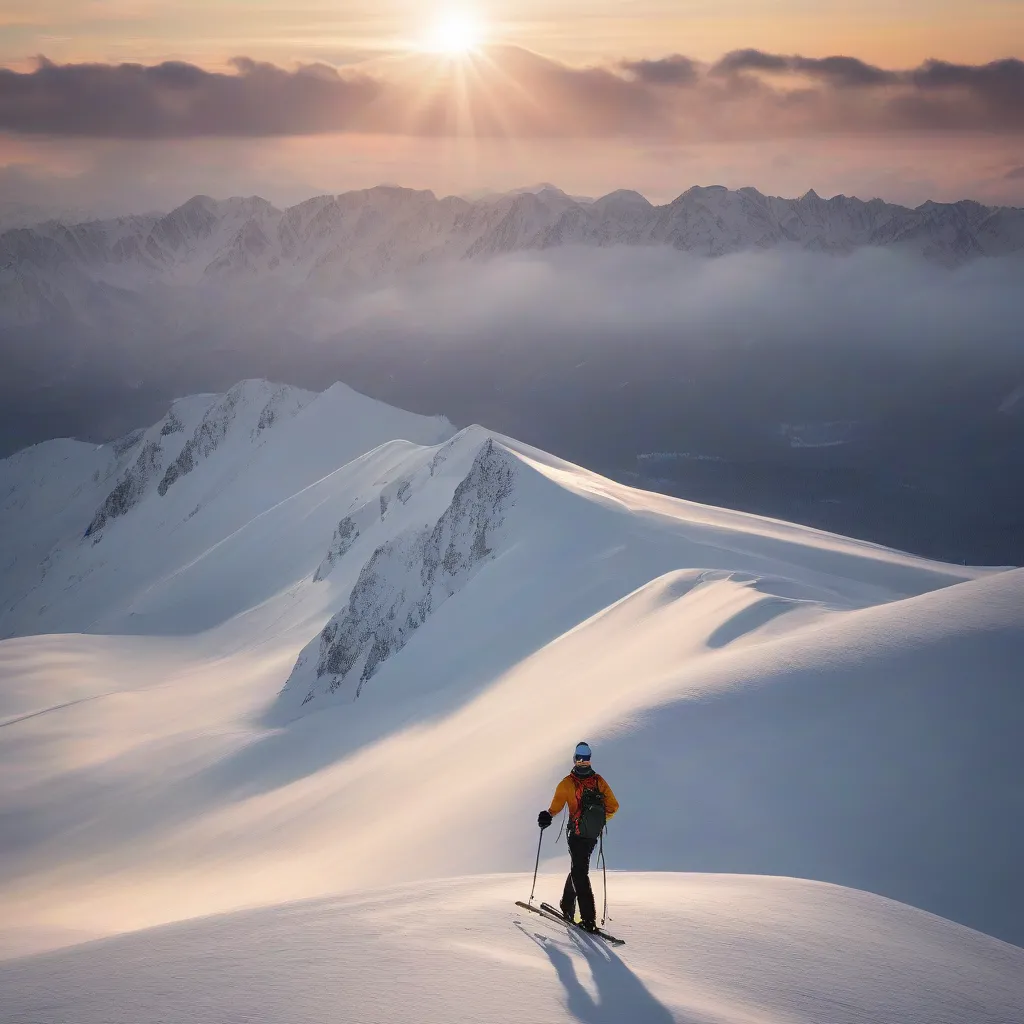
pixel 456 33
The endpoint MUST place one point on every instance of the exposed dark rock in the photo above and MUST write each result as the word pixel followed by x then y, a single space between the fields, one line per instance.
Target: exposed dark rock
pixel 172 426
pixel 267 418
pixel 183 464
pixel 344 537
pixel 131 488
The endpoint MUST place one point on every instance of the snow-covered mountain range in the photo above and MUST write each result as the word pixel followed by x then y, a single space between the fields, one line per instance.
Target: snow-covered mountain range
pixel 281 644
pixel 335 241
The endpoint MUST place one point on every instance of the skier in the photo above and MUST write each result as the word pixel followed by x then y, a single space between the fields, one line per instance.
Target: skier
pixel 591 804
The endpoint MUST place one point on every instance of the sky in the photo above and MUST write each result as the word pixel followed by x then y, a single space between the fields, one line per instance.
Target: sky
pixel 116 105
pixel 208 32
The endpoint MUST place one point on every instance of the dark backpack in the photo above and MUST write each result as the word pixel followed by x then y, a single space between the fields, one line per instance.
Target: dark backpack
pixel 589 820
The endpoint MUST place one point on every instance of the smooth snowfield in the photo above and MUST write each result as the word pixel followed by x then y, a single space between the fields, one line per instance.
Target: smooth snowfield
pixel 701 949
pixel 282 646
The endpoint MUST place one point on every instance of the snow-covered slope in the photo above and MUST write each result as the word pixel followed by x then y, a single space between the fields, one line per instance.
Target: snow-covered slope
pixel 86 530
pixel 309 643
pixel 334 241
pixel 708 949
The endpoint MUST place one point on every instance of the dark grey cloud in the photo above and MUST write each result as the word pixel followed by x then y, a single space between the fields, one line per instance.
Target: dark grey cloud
pixel 844 71
pixel 673 70
pixel 937 95
pixel 999 81
pixel 512 92
pixel 174 99
pixel 1015 174
pixel 999 84
pixel 1005 75
pixel 839 71
pixel 749 60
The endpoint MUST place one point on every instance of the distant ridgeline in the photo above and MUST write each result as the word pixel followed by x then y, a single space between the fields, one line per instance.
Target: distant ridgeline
pixel 335 241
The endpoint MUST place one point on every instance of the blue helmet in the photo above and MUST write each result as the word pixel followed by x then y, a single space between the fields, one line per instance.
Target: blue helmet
pixel 582 752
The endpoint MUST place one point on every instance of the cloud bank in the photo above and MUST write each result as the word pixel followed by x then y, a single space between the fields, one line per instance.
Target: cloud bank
pixel 509 92
pixel 488 340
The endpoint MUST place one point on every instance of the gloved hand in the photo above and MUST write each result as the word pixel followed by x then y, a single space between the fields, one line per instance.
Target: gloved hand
pixel 544 819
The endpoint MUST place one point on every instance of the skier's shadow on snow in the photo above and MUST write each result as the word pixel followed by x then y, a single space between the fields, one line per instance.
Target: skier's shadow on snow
pixel 621 995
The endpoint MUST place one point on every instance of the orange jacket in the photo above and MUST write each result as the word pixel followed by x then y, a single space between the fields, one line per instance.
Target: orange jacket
pixel 565 793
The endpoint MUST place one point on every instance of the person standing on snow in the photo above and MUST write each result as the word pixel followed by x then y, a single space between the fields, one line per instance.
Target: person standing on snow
pixel 591 804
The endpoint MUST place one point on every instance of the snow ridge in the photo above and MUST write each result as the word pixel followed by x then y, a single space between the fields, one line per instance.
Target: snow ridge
pixel 212 466
pixel 410 577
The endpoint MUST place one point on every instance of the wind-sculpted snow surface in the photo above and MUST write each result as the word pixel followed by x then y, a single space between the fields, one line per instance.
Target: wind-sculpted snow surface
pixel 766 699
pixel 408 578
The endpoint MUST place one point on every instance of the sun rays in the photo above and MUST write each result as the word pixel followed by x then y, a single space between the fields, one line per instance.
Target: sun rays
pixel 456 33
pixel 450 82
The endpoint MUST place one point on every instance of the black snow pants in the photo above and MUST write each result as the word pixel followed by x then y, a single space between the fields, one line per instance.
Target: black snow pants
pixel 577 885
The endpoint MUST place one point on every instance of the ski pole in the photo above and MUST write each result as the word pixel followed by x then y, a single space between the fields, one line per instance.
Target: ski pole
pixel 604 873
pixel 540 839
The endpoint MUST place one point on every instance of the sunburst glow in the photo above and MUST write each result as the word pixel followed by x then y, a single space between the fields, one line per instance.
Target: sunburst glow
pixel 457 32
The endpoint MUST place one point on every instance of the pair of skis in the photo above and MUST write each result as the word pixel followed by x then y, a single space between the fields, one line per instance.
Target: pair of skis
pixel 548 911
